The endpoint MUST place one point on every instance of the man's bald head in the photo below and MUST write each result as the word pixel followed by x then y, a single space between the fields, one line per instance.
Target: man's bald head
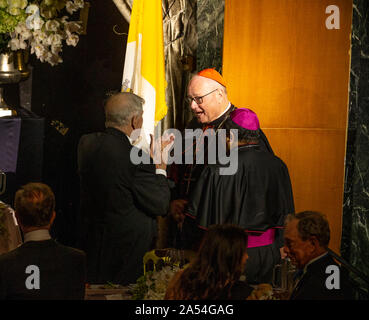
pixel 121 107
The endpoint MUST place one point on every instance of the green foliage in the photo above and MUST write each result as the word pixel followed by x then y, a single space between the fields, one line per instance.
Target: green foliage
pixel 8 22
pixel 141 288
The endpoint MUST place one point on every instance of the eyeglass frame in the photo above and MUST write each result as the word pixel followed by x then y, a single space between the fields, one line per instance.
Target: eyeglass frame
pixel 199 100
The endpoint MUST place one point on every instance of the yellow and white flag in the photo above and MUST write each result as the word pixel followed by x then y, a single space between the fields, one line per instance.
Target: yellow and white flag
pixel 144 68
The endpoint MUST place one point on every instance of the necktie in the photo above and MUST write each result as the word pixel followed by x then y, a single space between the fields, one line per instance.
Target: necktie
pixel 297 279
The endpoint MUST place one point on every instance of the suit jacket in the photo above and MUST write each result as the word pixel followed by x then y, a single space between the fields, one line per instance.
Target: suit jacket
pixel 312 285
pixel 61 272
pixel 120 201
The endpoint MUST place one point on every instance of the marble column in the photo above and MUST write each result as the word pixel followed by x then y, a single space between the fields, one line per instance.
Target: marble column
pixel 210 25
pixel 355 230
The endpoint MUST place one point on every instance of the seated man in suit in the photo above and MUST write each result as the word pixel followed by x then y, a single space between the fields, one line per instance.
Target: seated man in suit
pixel 40 268
pixel 306 240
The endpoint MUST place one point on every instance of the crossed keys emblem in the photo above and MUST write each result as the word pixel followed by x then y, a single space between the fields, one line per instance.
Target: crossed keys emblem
pixel 125 86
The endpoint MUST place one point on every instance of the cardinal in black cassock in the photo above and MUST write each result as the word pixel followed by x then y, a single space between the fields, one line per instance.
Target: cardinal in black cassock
pixel 216 108
pixel 257 197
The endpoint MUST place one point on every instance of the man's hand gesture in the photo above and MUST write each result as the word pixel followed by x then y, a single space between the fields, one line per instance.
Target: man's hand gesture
pixel 159 150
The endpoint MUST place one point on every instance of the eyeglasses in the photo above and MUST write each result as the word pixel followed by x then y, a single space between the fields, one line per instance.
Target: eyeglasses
pixel 198 100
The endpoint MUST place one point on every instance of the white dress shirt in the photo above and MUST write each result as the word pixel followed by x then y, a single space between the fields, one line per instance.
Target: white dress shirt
pixel 37 235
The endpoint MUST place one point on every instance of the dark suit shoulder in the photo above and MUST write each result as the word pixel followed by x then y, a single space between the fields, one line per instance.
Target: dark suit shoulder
pixel 61 269
pixel 9 255
pixel 70 250
pixel 50 245
pixel 93 141
pixel 110 150
pixel 314 282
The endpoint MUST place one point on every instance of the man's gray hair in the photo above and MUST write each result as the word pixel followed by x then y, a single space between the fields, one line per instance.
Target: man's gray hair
pixel 126 105
pixel 311 223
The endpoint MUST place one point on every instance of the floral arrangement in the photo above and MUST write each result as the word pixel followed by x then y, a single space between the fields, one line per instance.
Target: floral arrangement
pixel 153 285
pixel 41 25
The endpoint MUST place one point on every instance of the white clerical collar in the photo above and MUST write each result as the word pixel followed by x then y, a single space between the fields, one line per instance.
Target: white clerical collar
pixel 226 109
pixel 313 260
pixel 37 235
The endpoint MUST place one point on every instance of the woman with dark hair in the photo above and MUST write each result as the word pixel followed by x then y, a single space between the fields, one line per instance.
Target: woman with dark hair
pixel 216 270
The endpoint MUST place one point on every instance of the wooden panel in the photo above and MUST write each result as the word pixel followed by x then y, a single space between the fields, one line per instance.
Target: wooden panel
pixel 281 61
pixel 316 173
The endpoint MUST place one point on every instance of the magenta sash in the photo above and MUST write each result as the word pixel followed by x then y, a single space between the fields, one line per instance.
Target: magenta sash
pixel 262 239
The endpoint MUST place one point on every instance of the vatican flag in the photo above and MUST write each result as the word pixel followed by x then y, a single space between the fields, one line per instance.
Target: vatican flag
pixel 144 68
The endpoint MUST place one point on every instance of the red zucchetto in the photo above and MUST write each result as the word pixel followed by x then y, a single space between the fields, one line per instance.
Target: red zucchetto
pixel 212 74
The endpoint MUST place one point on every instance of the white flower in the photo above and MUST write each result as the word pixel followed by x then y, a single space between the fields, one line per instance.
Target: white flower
pixel 39 36
pixel 13 11
pixel 54 39
pixel 26 34
pixel 14 44
pixel 38 23
pixel 21 27
pixel 79 3
pixel 158 282
pixel 33 9
pixel 43 30
pixel 72 39
pixel 22 44
pixel 72 26
pixel 53 59
pixel 23 32
pixel 71 7
pixel 45 55
pixel 37 49
pixel 64 19
pixel 22 3
pixel 18 3
pixel 56 49
pixel 52 25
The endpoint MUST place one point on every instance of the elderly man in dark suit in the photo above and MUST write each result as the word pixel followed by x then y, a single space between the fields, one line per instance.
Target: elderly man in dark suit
pixel 120 199
pixel 307 236
pixel 41 268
